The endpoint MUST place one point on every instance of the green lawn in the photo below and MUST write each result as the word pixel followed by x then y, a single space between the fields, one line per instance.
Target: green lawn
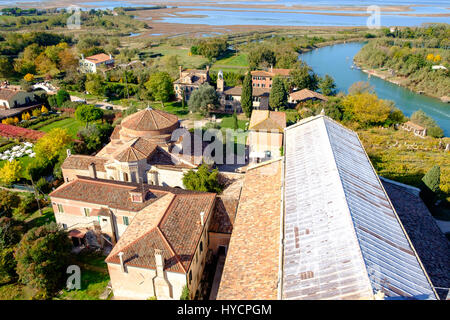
pixel 93 284
pixel 227 122
pixel 71 124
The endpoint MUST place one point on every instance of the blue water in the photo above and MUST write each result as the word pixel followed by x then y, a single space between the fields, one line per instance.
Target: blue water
pixel 285 15
pixel 336 61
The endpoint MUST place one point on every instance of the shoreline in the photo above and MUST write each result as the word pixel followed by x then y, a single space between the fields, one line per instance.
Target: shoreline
pixel 381 75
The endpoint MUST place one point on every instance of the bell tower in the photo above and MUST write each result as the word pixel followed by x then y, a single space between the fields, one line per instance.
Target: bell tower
pixel 220 82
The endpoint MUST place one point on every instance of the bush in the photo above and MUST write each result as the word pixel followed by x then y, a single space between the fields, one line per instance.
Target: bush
pixel 185 293
pixel 203 180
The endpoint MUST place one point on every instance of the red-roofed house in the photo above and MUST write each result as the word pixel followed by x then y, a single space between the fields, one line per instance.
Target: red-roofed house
pixel 160 234
pixel 263 79
pixel 90 64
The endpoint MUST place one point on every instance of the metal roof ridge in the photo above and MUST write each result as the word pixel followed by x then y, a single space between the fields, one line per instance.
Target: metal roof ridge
pixel 352 223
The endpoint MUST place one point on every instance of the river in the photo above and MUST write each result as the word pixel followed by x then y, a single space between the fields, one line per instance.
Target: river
pixel 336 61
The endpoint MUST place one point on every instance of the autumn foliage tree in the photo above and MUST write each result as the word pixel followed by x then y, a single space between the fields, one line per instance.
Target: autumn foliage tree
pixel 366 108
pixel 50 145
pixel 10 172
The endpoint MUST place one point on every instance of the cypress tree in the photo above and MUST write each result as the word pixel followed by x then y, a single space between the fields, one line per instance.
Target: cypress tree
pixel 432 179
pixel 278 94
pixel 247 95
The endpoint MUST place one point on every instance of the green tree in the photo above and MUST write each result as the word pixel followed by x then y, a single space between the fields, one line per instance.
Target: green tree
pixel 11 231
pixel 278 94
pixel 8 202
pixel 160 86
pixel 432 179
pixel 261 57
pixel 203 179
pixel 88 113
pixel 247 95
pixel 94 84
pixel 185 293
pixel 203 100
pixel 327 85
pixel 42 257
pixel 302 77
pixel 61 97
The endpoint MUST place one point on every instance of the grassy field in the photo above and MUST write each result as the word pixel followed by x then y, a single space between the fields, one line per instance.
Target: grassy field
pixel 71 124
pixel 232 63
pixel 185 59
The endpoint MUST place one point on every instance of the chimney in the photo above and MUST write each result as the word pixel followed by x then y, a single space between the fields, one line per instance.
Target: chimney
pixel 110 56
pixel 202 218
pixel 322 112
pixel 69 153
pixel 159 261
pixel 92 171
pixel 122 265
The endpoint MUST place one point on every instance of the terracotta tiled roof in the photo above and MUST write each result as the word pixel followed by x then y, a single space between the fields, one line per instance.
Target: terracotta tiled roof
pixel 251 266
pixel 271 73
pixel 81 162
pixel 136 150
pixel 267 120
pixel 171 224
pixel 116 132
pixel 256 92
pixel 224 215
pixel 306 94
pixel 413 125
pixel 114 194
pixel 6 94
pixel 99 58
pixel 149 120
pixel 430 243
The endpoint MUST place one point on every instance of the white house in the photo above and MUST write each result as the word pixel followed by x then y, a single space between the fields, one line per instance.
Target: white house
pixel 14 98
pixel 90 64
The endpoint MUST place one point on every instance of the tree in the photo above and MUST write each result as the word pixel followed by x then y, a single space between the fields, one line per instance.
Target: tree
pixel 360 87
pixel 51 99
pixel 302 77
pixel 185 293
pixel 366 108
pixel 261 57
pixel 49 146
pixel 203 100
pixel 203 179
pixel 432 179
pixel 61 97
pixel 247 95
pixel 29 77
pixel 8 201
pixel 327 86
pixel 88 113
pixel 278 94
pixel 160 86
pixel 10 172
pixel 42 257
pixel 44 110
pixel 11 231
pixel 430 185
pixel 94 84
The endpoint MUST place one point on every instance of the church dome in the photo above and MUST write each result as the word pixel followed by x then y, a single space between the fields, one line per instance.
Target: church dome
pixel 149 123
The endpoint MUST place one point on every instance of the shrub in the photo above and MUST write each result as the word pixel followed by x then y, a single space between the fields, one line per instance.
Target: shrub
pixel 203 180
pixel 185 293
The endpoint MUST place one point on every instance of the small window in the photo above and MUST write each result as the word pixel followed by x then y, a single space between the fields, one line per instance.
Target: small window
pixel 60 208
pixel 87 212
pixel 126 221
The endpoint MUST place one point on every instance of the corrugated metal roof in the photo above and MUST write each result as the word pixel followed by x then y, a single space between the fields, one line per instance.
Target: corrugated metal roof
pixel 343 239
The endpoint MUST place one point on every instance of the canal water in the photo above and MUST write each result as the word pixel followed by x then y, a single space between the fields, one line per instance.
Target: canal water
pixel 337 60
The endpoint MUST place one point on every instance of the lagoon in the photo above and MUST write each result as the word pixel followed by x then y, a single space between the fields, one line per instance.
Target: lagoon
pixel 336 60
